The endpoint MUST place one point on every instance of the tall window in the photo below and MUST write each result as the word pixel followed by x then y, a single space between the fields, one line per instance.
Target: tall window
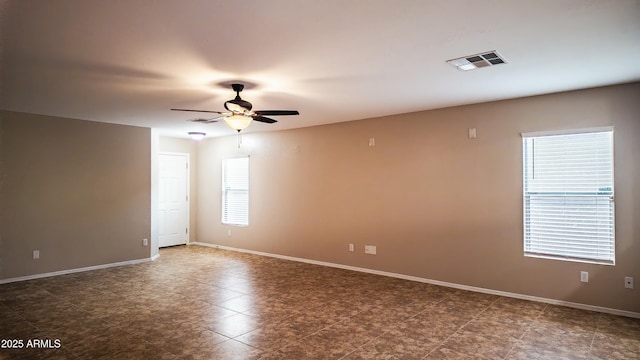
pixel 235 191
pixel 568 195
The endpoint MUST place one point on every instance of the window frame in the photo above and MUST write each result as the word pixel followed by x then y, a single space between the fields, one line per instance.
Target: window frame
pixel 568 197
pixel 229 189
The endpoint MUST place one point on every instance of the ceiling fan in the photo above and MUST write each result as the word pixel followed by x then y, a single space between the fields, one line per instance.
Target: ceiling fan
pixel 239 114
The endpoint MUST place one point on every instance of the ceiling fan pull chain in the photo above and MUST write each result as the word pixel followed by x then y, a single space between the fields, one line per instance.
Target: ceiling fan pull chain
pixel 239 139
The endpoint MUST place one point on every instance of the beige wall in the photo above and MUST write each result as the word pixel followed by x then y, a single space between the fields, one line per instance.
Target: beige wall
pixel 78 191
pixel 186 146
pixel 436 204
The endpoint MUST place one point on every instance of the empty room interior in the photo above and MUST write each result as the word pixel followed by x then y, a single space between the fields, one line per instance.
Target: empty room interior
pixel 320 179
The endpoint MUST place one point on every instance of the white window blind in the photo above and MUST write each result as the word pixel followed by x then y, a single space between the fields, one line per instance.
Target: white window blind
pixel 235 191
pixel 568 196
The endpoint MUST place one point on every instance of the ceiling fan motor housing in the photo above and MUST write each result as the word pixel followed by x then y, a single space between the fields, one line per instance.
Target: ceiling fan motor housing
pixel 238 105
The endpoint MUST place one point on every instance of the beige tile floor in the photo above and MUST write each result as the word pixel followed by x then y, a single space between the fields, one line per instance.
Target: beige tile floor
pixel 202 303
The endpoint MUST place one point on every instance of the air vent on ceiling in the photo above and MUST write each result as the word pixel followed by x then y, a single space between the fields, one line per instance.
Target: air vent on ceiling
pixel 203 121
pixel 471 62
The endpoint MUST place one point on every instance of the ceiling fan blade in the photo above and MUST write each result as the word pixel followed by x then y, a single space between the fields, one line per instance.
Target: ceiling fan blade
pixel 203 111
pixel 264 119
pixel 276 112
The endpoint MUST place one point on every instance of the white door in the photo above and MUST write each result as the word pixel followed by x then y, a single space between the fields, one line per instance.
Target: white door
pixel 174 201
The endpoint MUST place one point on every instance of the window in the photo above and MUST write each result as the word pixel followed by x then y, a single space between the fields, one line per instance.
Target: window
pixel 235 191
pixel 568 195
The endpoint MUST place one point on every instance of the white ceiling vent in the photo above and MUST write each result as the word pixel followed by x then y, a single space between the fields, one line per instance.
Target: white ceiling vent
pixel 471 62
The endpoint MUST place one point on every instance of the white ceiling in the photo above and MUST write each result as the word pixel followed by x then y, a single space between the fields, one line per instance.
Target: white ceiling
pixel 129 62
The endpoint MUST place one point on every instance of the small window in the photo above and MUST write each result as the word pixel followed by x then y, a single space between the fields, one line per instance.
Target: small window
pixel 568 195
pixel 235 191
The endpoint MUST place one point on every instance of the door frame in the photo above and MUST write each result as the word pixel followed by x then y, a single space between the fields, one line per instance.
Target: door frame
pixel 187 180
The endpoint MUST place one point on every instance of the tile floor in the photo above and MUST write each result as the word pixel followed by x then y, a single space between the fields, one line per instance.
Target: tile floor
pixel 202 303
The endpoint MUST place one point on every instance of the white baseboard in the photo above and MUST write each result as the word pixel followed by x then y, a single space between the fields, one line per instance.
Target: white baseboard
pixel 434 282
pixel 76 270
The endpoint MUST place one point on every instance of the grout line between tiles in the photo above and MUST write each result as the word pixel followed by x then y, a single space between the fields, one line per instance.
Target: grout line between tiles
pixel 461 327
pixel 526 330
pixel 593 337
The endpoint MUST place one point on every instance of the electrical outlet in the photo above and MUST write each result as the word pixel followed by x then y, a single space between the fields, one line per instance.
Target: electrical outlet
pixel 145 242
pixel 473 133
pixel 372 141
pixel 370 249
pixel 36 254
pixel 628 282
pixel 350 247
pixel 584 276
pixel 228 232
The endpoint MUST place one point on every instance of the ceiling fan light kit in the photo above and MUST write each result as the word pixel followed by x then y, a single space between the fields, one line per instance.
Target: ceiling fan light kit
pixel 239 115
pixel 238 122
